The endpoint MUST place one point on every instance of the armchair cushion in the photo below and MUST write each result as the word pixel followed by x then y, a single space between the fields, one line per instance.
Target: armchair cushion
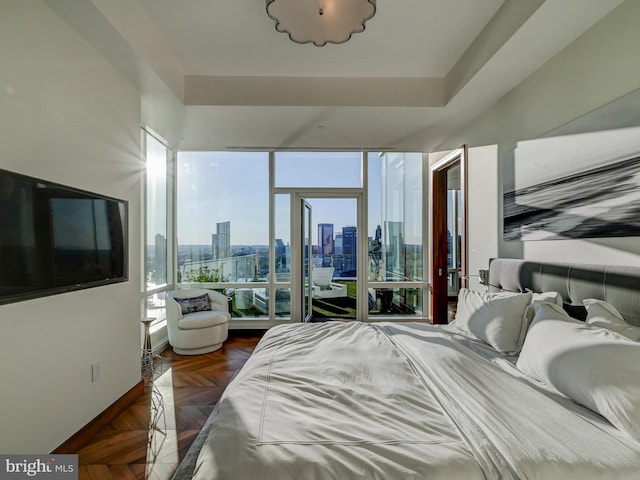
pixel 194 304
pixel 202 320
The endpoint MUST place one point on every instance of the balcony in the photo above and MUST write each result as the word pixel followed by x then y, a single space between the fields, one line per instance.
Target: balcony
pixel 335 299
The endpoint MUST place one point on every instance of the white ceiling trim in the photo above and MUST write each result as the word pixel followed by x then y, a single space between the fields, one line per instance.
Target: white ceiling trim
pixel 412 113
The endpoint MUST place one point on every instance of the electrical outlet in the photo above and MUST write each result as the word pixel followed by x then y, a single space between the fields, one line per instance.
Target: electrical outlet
pixel 95 371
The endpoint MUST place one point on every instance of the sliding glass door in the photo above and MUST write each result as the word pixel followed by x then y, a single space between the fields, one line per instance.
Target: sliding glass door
pixel 330 256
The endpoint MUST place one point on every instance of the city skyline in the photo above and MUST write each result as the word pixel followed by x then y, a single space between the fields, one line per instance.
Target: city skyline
pixel 244 262
pixel 215 242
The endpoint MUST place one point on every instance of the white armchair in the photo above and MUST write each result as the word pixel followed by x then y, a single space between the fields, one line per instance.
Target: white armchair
pixel 194 324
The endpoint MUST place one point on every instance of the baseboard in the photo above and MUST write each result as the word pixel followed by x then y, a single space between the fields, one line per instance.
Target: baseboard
pixel 161 348
pixel 95 426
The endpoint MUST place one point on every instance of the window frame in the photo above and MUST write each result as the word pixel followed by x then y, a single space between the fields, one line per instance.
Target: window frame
pixel 273 284
pixel 422 284
pixel 159 321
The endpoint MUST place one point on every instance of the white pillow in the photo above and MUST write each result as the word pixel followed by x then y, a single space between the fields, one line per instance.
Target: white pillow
pixel 605 315
pixel 593 366
pixel 495 318
pixel 537 299
pixel 547 297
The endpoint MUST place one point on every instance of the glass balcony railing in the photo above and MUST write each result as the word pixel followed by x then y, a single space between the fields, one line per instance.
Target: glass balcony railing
pixel 334 297
pixel 237 269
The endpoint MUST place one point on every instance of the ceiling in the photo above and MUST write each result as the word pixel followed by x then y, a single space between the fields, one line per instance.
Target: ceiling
pixel 215 74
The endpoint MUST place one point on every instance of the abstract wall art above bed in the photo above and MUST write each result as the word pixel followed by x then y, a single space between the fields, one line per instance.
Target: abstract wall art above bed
pixel 573 186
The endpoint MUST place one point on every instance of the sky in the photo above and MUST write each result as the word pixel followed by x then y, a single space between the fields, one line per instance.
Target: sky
pixel 218 187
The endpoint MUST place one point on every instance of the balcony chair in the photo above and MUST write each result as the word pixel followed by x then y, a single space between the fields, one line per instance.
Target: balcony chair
pixel 197 320
pixel 323 287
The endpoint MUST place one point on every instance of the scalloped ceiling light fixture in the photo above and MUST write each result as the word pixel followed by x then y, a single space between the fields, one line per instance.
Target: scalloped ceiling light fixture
pixel 320 21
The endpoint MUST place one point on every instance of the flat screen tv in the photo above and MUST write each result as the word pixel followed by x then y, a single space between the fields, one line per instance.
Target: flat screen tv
pixel 55 238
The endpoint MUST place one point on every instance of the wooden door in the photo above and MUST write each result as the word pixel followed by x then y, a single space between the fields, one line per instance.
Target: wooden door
pixel 439 234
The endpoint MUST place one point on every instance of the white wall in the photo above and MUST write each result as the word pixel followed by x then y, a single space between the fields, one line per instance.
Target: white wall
pixel 596 69
pixel 66 116
pixel 482 214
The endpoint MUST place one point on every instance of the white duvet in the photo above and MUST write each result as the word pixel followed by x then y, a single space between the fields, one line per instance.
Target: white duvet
pixel 400 401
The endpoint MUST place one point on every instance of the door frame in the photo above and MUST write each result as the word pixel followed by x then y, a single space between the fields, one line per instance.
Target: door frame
pixel 438 244
pixel 297 244
pixel 306 299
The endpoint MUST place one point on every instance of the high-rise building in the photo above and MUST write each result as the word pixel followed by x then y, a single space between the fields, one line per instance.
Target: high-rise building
pixel 221 240
pixel 337 244
pixel 160 271
pixel 375 245
pixel 393 250
pixel 349 248
pixel 281 256
pixel 325 238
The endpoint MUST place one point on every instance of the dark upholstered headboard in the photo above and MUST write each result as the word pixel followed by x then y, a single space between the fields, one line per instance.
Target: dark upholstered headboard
pixel 617 285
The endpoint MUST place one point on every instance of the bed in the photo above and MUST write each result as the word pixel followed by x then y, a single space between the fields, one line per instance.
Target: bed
pixel 489 396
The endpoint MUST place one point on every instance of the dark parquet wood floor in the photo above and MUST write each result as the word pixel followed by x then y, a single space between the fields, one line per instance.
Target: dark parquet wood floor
pixel 183 395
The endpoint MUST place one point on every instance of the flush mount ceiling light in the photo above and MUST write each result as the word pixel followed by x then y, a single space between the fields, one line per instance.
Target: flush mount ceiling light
pixel 320 21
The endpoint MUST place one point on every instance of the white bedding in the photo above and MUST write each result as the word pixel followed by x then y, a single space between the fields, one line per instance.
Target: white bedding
pixel 398 401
